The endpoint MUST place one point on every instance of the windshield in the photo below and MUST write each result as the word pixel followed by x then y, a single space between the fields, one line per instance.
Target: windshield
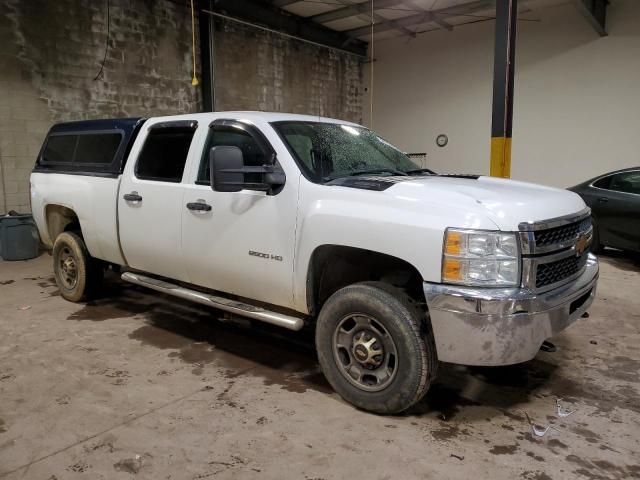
pixel 327 151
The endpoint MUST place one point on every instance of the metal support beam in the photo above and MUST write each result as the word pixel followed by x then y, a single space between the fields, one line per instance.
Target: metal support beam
pixel 353 10
pixel 363 12
pixel 273 18
pixel 503 73
pixel 206 58
pixel 427 16
pixel 595 11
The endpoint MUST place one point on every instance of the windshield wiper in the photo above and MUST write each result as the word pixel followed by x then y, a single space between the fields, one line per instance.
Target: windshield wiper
pixel 420 170
pixel 392 171
pixel 355 173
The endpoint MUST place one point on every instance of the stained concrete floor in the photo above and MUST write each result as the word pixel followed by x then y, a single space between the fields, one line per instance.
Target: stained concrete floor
pixel 141 385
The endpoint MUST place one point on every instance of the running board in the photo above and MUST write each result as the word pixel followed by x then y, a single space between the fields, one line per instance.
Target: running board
pixel 232 306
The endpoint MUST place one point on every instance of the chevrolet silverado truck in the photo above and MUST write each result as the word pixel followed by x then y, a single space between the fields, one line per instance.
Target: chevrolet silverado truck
pixel 301 221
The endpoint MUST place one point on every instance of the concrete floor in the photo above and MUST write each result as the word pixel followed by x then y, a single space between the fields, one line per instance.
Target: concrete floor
pixel 140 385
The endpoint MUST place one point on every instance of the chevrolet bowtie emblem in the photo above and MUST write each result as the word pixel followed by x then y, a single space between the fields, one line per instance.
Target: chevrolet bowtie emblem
pixel 581 244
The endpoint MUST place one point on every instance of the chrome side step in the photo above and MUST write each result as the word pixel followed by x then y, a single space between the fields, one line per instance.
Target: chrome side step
pixel 215 301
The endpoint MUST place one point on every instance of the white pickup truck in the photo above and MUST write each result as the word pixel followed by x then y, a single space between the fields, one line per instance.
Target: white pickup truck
pixel 305 221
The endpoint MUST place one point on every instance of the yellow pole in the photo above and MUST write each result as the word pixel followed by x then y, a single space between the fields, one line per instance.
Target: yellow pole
pixel 503 71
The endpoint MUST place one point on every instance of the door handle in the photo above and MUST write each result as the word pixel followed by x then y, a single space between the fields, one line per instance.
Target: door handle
pixel 199 206
pixel 132 197
pixel 603 199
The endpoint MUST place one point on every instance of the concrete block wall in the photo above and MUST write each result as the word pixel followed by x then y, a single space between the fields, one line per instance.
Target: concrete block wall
pixel 50 54
pixel 259 70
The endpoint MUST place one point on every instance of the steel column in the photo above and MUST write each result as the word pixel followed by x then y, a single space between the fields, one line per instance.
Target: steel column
pixel 503 71
pixel 206 59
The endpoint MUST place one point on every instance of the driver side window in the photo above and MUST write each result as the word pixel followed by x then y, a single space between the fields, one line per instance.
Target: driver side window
pixel 235 137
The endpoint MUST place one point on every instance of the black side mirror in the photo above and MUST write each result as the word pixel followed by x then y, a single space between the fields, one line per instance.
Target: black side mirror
pixel 227 172
pixel 226 169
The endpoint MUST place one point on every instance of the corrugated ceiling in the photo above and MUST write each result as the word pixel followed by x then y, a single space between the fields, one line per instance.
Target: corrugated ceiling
pixel 400 17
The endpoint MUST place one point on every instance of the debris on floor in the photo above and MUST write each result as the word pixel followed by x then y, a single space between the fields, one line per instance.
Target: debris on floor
pixel 562 412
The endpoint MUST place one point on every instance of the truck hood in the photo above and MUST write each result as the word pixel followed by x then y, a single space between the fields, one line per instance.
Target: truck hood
pixel 506 202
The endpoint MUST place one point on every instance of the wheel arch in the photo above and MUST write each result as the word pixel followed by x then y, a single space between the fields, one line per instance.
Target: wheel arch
pixel 332 267
pixel 60 218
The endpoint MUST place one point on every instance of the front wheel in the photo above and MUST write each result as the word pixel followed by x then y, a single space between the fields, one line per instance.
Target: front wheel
pixel 376 347
pixel 78 274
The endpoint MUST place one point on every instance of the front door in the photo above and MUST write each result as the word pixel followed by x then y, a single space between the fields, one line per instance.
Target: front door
pixel 240 242
pixel 150 200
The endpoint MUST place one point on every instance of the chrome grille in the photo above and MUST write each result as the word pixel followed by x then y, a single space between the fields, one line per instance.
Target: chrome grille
pixel 554 272
pixel 552 250
pixel 561 235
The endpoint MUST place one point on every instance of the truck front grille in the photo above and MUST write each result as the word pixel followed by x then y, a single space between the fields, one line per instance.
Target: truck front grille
pixel 554 251
pixel 561 235
pixel 555 272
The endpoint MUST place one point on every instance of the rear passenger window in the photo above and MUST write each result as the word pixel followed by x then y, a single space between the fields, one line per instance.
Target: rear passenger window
pixel 164 155
pixel 60 149
pixel 100 148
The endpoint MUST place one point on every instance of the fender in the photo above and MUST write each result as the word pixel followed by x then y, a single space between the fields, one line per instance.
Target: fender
pixel 401 227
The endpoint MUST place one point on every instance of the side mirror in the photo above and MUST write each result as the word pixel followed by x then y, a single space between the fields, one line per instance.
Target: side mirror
pixel 227 172
pixel 226 169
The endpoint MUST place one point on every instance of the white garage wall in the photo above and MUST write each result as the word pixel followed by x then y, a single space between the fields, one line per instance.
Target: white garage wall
pixel 577 95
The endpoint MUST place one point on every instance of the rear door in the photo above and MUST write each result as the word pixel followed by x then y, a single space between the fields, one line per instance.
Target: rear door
pixel 150 200
pixel 616 207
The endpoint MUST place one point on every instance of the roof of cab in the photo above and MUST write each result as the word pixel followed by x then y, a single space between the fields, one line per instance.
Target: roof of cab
pixel 128 125
pixel 253 116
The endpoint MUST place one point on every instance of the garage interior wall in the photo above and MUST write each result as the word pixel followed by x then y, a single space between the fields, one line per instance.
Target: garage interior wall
pixel 259 70
pixel 577 95
pixel 50 55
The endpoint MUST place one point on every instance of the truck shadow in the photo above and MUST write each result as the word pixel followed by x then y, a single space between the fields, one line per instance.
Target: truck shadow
pixel 629 261
pixel 501 388
pixel 200 336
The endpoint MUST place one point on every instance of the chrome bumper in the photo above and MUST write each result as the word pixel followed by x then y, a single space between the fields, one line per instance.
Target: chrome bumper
pixel 480 326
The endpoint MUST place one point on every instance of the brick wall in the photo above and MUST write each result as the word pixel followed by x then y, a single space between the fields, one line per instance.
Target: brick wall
pixel 283 75
pixel 50 53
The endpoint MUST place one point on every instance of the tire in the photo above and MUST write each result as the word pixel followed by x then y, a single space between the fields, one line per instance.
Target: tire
pixel 596 246
pixel 346 327
pixel 78 275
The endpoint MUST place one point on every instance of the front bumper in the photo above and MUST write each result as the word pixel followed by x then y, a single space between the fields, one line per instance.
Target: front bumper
pixel 481 326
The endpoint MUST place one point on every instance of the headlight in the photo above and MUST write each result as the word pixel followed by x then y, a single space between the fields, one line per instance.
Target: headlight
pixel 483 259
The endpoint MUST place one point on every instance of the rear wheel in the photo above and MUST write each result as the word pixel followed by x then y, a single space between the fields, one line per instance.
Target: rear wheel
pixel 375 347
pixel 78 275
